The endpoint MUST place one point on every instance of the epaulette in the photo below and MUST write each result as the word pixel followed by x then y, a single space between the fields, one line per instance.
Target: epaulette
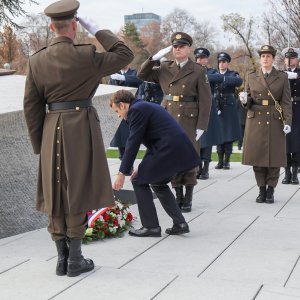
pixel 82 45
pixel 39 51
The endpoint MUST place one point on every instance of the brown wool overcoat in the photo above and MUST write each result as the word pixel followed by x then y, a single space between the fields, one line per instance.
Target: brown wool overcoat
pixel 190 80
pixel 70 141
pixel 264 139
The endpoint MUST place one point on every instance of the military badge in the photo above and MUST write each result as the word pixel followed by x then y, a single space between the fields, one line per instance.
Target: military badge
pixel 178 36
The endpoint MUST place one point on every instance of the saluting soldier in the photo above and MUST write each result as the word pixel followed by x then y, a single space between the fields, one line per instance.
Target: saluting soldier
pixel 293 139
pixel 73 175
pixel 269 119
pixel 227 110
pixel 187 98
pixel 213 135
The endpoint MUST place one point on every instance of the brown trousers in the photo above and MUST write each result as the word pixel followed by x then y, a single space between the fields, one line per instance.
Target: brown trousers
pixel 266 176
pixel 188 178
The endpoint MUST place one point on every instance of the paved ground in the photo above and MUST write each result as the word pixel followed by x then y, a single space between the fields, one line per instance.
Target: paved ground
pixel 237 249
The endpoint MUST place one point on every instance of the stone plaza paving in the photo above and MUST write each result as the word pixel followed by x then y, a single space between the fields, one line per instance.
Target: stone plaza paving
pixel 237 249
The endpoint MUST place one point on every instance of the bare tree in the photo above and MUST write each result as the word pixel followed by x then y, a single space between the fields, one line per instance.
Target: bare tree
pixel 11 9
pixel 243 30
pixel 9 45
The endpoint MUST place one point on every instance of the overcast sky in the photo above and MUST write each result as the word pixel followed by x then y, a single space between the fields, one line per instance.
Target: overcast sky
pixel 109 14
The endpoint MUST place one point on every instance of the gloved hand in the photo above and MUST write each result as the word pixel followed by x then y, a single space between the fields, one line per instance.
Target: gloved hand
pixel 199 132
pixel 243 97
pixel 287 129
pixel 161 53
pixel 89 25
pixel 291 75
pixel 117 76
pixel 219 112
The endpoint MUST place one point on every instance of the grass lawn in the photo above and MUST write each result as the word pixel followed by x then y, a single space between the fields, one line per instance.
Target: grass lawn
pixel 111 153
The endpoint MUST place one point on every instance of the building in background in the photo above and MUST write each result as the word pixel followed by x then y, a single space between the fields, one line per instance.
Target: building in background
pixel 142 19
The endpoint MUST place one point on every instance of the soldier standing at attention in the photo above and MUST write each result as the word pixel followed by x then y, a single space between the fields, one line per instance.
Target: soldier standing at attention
pixel 187 98
pixel 213 134
pixel 228 114
pixel 269 119
pixel 293 139
pixel 73 175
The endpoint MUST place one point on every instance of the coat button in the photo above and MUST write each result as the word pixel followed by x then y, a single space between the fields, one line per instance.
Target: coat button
pixel 57 142
pixel 183 86
pixel 170 95
pixel 268 123
pixel 57 168
pixel 268 112
pixel 178 115
pixel 57 154
pixel 58 128
pixel 259 123
pixel 181 96
pixel 192 115
pixel 259 113
pixel 171 84
pixel 180 105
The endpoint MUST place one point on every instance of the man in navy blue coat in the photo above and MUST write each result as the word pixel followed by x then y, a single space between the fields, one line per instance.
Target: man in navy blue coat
pixel 169 152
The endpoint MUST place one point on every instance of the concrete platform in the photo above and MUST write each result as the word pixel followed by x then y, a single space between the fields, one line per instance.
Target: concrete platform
pixel 237 249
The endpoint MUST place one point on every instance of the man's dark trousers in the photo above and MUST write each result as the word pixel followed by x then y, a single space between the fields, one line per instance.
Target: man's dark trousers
pixel 146 205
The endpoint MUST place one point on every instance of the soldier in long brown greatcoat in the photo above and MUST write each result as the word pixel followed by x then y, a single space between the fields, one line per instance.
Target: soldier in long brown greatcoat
pixel 266 127
pixel 73 175
pixel 187 98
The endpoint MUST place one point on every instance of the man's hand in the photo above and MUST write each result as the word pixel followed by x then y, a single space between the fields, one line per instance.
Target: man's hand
pixel 134 173
pixel 119 182
pixel 287 129
pixel 291 75
pixel 199 132
pixel 89 25
pixel 243 97
pixel 161 53
pixel 117 76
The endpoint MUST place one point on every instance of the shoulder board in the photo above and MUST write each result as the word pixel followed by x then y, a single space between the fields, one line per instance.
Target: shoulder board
pixel 78 45
pixel 39 50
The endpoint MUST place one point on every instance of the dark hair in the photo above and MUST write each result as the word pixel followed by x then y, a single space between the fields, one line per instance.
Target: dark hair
pixel 121 96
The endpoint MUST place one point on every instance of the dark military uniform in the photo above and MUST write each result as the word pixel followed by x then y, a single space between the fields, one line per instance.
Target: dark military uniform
pixel 293 138
pixel 73 176
pixel 150 92
pixel 228 115
pixel 120 138
pixel 187 98
pixel 264 140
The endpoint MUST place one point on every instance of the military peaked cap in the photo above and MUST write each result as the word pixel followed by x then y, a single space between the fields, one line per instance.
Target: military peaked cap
pixel 267 49
pixel 181 38
pixel 201 52
pixel 224 56
pixel 291 52
pixel 62 10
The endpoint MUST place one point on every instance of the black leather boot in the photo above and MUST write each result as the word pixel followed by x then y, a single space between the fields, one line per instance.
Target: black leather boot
pixel 205 175
pixel 221 160
pixel 226 165
pixel 270 195
pixel 294 175
pixel 179 195
pixel 199 171
pixel 261 198
pixel 287 175
pixel 77 264
pixel 187 202
pixel 63 254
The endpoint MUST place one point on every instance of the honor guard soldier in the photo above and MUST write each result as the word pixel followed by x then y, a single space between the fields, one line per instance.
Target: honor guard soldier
pixel 291 61
pixel 73 175
pixel 269 118
pixel 227 110
pixel 187 98
pixel 213 134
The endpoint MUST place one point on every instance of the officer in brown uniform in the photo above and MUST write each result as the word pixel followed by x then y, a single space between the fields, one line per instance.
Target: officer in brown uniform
pixel 73 175
pixel 269 117
pixel 187 98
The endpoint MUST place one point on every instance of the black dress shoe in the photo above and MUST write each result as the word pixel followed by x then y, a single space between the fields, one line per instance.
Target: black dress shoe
pixel 261 198
pixel 270 195
pixel 178 229
pixel 143 232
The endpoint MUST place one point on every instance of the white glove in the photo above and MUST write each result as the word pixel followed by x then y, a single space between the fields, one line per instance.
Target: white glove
pixel 161 53
pixel 199 132
pixel 291 75
pixel 219 112
pixel 243 97
pixel 89 25
pixel 117 76
pixel 287 129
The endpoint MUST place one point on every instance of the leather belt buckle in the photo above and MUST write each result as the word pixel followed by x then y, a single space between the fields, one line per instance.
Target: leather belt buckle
pixel 265 102
pixel 176 98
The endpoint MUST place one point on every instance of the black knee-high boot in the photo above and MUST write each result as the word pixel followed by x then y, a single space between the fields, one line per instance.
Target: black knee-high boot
pixel 188 198
pixel 63 254
pixel 221 160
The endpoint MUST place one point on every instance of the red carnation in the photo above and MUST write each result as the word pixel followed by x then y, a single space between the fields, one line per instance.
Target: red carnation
pixel 106 217
pixel 118 211
pixel 129 216
pixel 116 222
